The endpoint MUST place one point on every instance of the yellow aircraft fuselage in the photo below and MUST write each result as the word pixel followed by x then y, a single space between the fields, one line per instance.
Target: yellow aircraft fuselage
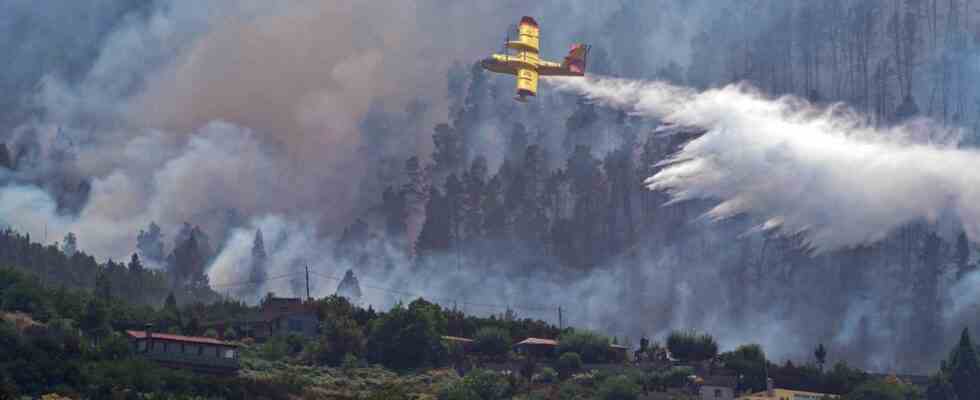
pixel 526 64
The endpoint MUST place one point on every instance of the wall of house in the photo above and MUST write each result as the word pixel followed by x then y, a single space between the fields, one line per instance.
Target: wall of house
pixel 717 393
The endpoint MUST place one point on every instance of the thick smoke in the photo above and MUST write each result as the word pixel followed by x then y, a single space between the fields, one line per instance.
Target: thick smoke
pixel 803 169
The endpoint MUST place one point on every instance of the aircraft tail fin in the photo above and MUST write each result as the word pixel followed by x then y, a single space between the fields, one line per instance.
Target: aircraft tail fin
pixel 576 59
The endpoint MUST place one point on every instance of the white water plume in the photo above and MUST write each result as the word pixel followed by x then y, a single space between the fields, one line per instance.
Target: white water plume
pixel 821 171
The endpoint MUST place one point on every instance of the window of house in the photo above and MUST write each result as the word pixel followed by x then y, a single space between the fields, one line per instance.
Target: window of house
pixel 141 346
pixel 200 350
pixel 229 353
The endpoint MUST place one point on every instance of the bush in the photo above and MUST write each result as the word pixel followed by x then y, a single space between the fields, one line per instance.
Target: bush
pixel 477 385
pixel 592 347
pixel 568 391
pixel 691 346
pixel 492 341
pixel 405 338
pixel 547 375
pixel 568 364
pixel 677 376
pixel 618 388
pixel 341 338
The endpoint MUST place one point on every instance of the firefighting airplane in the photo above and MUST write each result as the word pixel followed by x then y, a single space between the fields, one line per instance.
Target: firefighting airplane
pixel 527 65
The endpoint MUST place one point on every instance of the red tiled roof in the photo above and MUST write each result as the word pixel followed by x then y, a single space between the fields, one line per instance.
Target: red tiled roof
pixel 457 339
pixel 538 341
pixel 179 338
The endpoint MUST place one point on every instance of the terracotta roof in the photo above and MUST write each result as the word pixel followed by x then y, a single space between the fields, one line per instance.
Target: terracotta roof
pixel 538 341
pixel 457 339
pixel 180 338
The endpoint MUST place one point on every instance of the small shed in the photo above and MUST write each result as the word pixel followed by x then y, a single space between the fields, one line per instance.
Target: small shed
pixel 537 347
pixel 618 353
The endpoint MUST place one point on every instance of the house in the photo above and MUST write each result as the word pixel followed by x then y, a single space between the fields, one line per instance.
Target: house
pixel 536 347
pixel 718 387
pixel 772 393
pixel 618 353
pixel 199 354
pixel 277 315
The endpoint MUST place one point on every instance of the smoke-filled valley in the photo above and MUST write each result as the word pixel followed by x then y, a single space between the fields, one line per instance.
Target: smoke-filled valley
pixel 809 177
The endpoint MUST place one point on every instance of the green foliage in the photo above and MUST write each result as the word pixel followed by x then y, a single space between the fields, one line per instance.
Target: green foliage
pixel 940 388
pixel 548 375
pixel 409 337
pixel 478 385
pixel 618 388
pixel 281 346
pixel 964 368
pixel 568 364
pixel 389 392
pixel 492 341
pixel 342 337
pixel 692 346
pixel 592 347
pixel 677 376
pixel 843 379
pixel 749 361
pixel 568 391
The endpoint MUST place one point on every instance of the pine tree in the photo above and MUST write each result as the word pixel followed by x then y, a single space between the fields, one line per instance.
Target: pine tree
pixel 257 272
pixel 70 245
pixel 964 368
pixel 150 243
pixel 962 250
pixel 821 355
pixel 5 160
pixel 436 231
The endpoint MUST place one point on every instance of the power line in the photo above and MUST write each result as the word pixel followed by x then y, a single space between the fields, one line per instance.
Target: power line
pixel 443 299
pixel 402 293
pixel 254 282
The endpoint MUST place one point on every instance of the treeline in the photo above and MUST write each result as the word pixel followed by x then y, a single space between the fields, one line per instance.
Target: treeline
pixel 63 265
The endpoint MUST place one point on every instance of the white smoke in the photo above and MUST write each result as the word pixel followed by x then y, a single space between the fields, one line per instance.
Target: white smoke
pixel 802 168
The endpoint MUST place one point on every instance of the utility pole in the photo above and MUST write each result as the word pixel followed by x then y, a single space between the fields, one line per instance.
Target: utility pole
pixel 307 282
pixel 560 328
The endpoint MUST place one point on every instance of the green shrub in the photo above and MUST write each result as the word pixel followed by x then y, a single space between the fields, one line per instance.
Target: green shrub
pixel 407 337
pixel 618 388
pixel 592 347
pixel 478 385
pixel 691 346
pixel 341 338
pixel 677 376
pixel 547 375
pixel 388 392
pixel 568 391
pixel 568 364
pixel 458 392
pixel 492 341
